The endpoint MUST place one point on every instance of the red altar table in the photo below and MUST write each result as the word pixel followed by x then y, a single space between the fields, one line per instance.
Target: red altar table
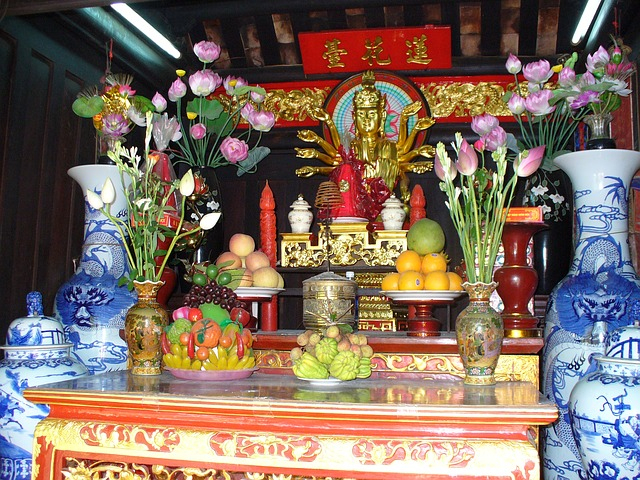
pixel 273 426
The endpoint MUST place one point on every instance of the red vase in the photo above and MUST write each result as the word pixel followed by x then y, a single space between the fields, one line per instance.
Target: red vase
pixel 517 280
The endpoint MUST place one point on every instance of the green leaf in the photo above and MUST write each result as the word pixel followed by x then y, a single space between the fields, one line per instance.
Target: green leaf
pixel 142 104
pixel 87 107
pixel 221 125
pixel 207 109
pixel 255 156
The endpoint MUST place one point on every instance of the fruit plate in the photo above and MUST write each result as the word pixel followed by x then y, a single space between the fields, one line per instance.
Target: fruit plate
pixel 257 292
pixel 422 295
pixel 322 382
pixel 212 375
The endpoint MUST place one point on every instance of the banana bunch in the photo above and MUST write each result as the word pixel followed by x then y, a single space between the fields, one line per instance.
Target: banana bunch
pixel 332 352
pixel 219 358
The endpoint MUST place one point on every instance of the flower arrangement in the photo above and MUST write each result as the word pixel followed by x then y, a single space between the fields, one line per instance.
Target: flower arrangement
pixel 208 139
pixel 150 201
pixel 548 111
pixel 114 108
pixel 478 198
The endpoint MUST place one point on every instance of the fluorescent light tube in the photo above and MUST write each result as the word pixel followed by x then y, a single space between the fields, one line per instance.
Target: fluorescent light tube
pixel 586 19
pixel 145 27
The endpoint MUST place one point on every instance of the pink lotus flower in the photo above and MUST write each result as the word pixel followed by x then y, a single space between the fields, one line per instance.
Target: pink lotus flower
pixel 514 65
pixel 159 102
pixel 177 90
pixel 516 104
pixel 537 72
pixel 231 83
pixel 257 97
pixel 584 99
pixel 246 111
pixel 262 120
pixel 567 77
pixel 467 162
pixel 538 103
pixel 234 149
pixel 206 52
pixel 495 138
pixel 597 62
pixel 527 164
pixel 126 91
pixel 198 131
pixel 483 124
pixel 203 82
pixel 115 125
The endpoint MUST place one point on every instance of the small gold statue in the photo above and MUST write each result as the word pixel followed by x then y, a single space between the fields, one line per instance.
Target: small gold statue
pixel 383 158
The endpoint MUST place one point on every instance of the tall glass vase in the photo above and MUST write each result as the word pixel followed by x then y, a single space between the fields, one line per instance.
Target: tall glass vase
pixel 596 295
pixel 599 131
pixel 90 305
pixel 479 334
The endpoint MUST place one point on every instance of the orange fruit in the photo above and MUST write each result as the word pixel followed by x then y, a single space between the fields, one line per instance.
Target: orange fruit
pixel 436 280
pixel 408 260
pixel 411 280
pixel 390 281
pixel 432 262
pixel 455 281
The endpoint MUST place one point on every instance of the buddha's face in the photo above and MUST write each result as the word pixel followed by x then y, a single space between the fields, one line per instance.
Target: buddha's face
pixel 367 120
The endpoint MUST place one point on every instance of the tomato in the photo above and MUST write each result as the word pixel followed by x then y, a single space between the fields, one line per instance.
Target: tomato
pixel 195 314
pixel 224 278
pixel 199 279
pixel 202 353
pixel 212 271
pixel 184 338
pixel 225 341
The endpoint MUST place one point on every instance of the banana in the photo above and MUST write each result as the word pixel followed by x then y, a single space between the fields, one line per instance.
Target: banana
pixel 185 363
pixel 232 362
pixel 207 365
pixel 246 362
pixel 222 358
pixel 213 359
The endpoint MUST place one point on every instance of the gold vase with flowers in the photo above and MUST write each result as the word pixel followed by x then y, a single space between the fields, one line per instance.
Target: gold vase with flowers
pixel 479 194
pixel 153 220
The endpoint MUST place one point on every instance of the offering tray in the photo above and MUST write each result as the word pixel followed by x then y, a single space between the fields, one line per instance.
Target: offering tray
pixel 422 323
pixel 256 294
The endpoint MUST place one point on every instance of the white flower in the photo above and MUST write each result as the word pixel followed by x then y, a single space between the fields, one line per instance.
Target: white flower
pixel 108 194
pixel 546 209
pixel 556 198
pixel 94 199
pixel 213 205
pixel 144 204
pixel 539 190
pixel 209 220
pixel 187 183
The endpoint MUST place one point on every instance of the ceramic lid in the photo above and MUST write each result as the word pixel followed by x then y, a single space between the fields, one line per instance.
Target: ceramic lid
pixel 624 342
pixel 392 201
pixel 300 203
pixel 35 329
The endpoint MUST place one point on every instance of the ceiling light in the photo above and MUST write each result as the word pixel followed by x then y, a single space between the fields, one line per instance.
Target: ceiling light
pixel 141 24
pixel 586 19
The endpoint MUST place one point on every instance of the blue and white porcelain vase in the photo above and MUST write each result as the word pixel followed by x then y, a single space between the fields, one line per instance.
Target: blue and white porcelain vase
pixel 91 305
pixel 594 298
pixel 35 354
pixel 605 409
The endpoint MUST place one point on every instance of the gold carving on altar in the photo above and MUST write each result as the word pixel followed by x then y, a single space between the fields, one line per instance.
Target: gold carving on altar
pixel 351 244
pixel 449 454
pixel 464 99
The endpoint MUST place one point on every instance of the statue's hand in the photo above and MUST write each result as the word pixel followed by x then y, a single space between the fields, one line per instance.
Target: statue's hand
pixel 412 109
pixel 428 151
pixel 308 136
pixel 424 123
pixel 319 114
pixel 306 153
pixel 306 172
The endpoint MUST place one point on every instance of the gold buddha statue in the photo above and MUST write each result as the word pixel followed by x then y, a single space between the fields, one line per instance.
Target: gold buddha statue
pixel 384 158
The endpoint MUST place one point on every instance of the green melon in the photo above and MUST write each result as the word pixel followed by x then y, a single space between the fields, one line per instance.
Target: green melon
pixel 425 236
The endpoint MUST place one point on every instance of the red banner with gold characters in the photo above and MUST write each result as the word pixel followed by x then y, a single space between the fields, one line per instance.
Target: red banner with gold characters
pixel 415 48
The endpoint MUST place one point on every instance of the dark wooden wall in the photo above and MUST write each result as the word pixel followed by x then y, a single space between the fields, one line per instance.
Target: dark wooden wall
pixel 41 209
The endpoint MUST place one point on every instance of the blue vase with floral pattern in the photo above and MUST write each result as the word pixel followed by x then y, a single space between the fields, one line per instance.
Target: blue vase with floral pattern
pixel 594 298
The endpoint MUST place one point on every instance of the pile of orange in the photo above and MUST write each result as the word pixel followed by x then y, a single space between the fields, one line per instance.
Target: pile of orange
pixel 417 272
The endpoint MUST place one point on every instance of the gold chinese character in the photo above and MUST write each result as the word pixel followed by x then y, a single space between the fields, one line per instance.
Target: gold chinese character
pixel 333 53
pixel 417 52
pixel 374 50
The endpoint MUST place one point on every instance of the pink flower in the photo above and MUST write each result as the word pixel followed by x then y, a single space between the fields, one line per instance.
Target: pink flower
pixel 585 98
pixel 177 90
pixel 567 77
pixel 538 103
pixel 159 102
pixel 257 97
pixel 126 91
pixel 234 150
pixel 537 72
pixel 246 111
pixel 597 62
pixel 495 138
pixel 514 65
pixel 206 52
pixel 479 145
pixel 483 124
pixel 440 171
pixel 262 120
pixel 231 83
pixel 115 125
pixel 516 104
pixel 203 82
pixel 198 131
pixel 529 163
pixel 467 162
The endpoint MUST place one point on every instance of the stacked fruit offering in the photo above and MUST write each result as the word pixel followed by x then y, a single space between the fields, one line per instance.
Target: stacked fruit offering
pixel 333 352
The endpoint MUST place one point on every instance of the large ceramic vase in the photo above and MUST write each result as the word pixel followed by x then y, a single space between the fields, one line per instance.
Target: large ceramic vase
pixel 595 296
pixel 144 324
pixel 36 353
pixel 605 409
pixel 479 334
pixel 91 305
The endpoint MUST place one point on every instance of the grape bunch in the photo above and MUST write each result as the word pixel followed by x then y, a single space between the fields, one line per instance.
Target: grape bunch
pixel 214 293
